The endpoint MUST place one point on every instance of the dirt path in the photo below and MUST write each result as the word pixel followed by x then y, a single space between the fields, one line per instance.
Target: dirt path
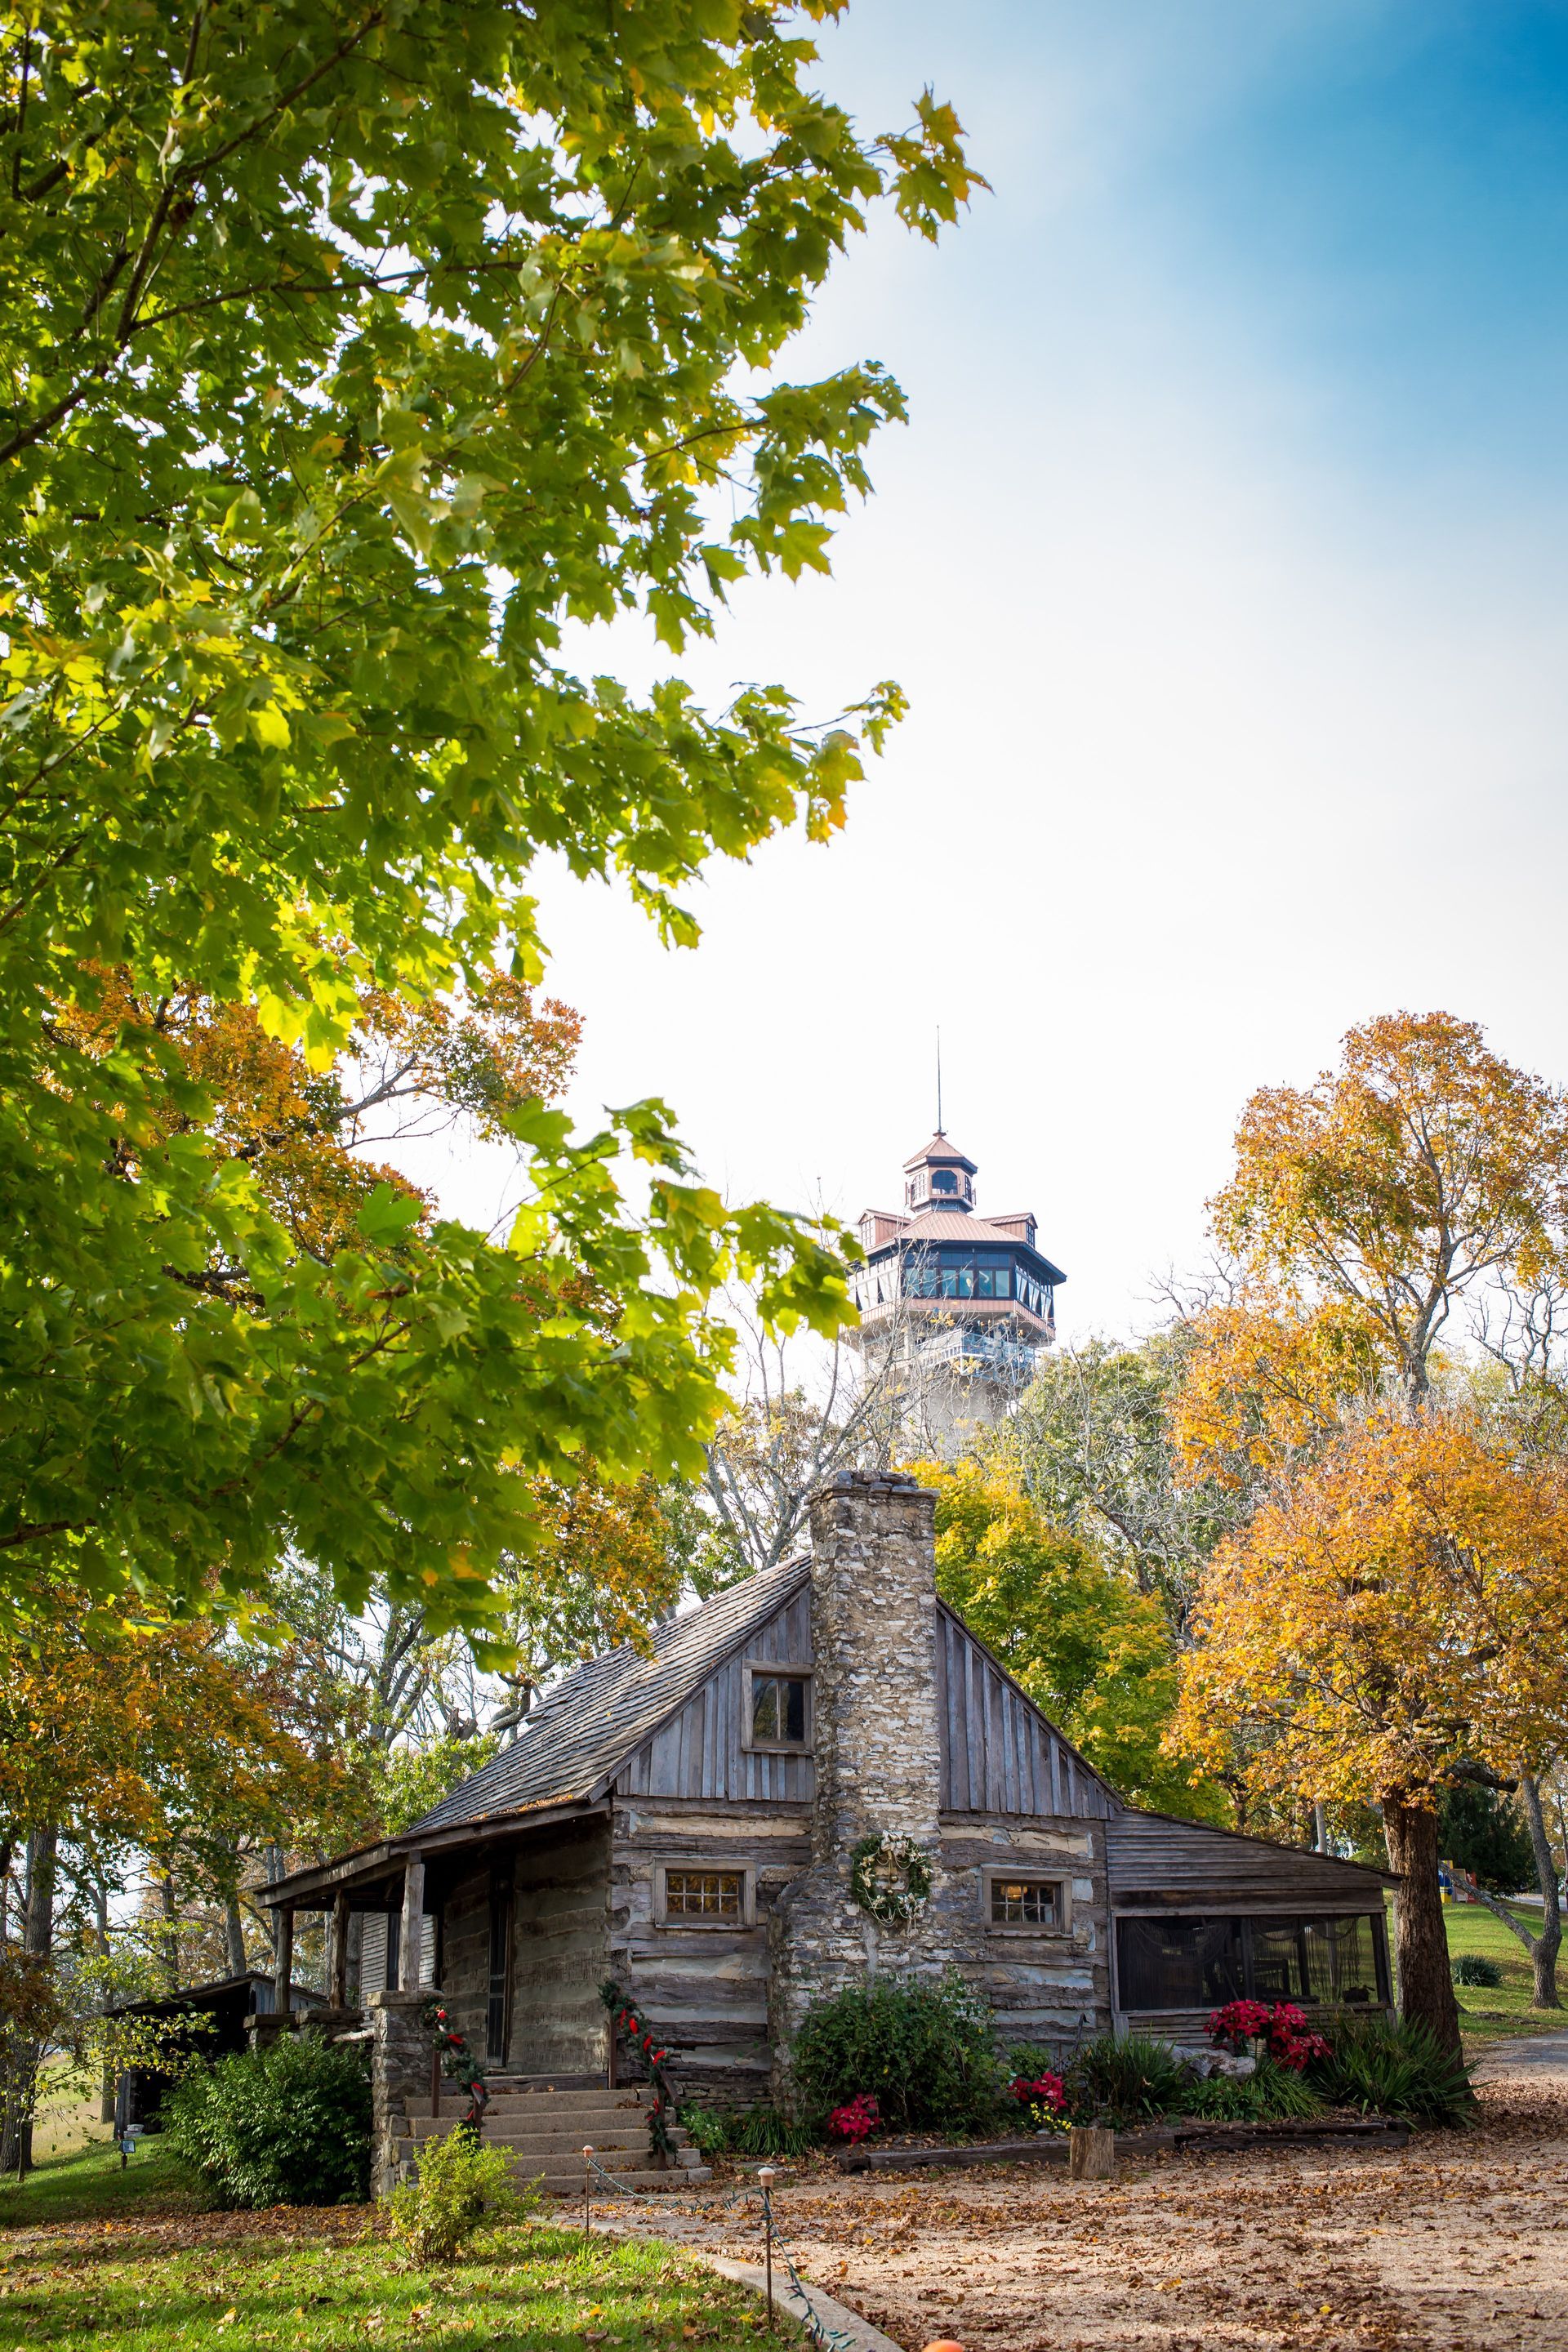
pixel 1458 2243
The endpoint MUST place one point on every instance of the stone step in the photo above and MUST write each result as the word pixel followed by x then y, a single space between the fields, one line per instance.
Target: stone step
pixel 505 2082
pixel 628 2168
pixel 562 2142
pixel 566 2103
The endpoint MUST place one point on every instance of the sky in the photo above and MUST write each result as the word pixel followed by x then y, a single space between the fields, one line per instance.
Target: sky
pixel 1224 561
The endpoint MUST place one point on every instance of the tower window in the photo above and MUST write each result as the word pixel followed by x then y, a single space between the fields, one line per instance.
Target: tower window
pixel 943 1179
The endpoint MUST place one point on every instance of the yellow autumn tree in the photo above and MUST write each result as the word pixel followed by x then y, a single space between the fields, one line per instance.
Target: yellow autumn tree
pixel 1396 1617
pixel 1397 1186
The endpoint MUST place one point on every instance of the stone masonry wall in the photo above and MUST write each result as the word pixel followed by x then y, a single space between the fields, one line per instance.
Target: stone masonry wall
pixel 399 2083
pixel 877 1738
pixel 878 1743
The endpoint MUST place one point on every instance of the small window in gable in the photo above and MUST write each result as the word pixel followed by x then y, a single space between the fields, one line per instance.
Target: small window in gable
pixel 778 1706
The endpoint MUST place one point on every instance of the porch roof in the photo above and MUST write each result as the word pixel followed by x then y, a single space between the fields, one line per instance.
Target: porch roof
pixel 571 1747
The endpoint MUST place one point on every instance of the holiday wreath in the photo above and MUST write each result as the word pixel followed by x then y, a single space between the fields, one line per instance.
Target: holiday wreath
pixel 890 1878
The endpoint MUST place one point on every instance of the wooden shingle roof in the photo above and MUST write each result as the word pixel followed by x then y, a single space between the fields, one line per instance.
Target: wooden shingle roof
pixel 581 1734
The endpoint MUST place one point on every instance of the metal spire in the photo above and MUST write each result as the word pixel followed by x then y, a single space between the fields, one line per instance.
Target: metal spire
pixel 940 1128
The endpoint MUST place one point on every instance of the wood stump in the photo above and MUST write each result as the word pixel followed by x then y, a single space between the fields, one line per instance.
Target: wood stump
pixel 1091 2152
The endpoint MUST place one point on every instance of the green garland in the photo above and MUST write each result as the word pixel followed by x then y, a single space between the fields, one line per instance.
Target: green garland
pixel 894 1906
pixel 626 2018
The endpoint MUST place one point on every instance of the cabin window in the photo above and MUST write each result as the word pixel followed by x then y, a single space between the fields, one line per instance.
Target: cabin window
pixel 777 1708
pixel 699 1895
pixel 1020 1900
pixel 1203 1963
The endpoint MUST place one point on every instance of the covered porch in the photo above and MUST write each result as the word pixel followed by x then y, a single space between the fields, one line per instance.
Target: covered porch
pixel 507 1920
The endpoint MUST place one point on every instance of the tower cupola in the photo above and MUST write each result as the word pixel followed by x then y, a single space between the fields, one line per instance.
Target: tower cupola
pixel 939 1177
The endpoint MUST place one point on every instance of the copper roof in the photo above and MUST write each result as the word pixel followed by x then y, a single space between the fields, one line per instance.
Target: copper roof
pixel 956 1225
pixel 939 1148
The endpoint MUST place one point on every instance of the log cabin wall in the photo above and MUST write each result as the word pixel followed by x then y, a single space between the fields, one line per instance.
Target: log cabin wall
pixel 1047 1988
pixel 697 1793
pixel 463 1950
pixel 704 1985
pixel 560 1950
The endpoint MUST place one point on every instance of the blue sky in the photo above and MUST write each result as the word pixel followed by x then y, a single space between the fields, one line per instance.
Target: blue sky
pixel 1224 560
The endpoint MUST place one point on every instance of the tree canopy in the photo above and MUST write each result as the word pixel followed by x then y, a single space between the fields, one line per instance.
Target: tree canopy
pixel 348 350
pixel 1401 1184
pixel 1393 1620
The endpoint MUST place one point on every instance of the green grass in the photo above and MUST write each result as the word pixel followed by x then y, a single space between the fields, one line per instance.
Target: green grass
pixel 87 2185
pixel 112 2261
pixel 1488 2012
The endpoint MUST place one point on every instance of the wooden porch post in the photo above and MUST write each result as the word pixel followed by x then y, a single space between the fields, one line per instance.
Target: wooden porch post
pixel 413 1923
pixel 283 1980
pixel 338 1951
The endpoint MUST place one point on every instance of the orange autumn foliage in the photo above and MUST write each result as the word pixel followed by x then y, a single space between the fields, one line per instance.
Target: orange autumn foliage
pixel 1398 1611
pixel 1421 1168
pixel 304 1133
pixel 1264 1384
pixel 143 1734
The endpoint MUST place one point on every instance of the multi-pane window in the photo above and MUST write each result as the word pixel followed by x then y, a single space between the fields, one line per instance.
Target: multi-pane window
pixel 1026 1902
pixel 703 1894
pixel 778 1709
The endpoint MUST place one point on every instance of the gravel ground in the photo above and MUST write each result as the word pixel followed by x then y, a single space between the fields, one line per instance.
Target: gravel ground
pixel 1456 2243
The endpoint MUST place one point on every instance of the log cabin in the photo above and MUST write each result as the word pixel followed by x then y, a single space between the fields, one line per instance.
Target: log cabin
pixel 817 1777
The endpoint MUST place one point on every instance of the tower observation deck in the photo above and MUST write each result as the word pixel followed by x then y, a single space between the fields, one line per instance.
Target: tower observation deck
pixel 963 1303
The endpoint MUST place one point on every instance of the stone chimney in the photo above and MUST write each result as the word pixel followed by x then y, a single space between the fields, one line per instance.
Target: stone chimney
pixel 877 1740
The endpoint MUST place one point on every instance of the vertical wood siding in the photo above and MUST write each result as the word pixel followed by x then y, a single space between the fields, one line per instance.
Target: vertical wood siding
pixel 999 1756
pixel 699 1752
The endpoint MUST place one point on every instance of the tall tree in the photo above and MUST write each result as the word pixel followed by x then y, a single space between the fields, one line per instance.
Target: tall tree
pixel 1093 1443
pixel 1396 1619
pixel 348 348
pixel 1400 1186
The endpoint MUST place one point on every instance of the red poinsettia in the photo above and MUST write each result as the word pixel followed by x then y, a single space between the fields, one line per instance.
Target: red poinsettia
pixel 857 2121
pixel 1291 2042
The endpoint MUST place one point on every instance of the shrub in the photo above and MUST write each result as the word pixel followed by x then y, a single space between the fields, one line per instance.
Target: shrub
pixel 1475 1969
pixel 923 2052
pixel 285 2125
pixel 1273 2093
pixel 762 2131
pixel 463 2188
pixel 709 2131
pixel 1394 2068
pixel 1125 2078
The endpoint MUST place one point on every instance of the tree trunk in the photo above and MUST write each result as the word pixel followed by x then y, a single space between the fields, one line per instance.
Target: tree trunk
pixel 38 1939
pixel 105 2082
pixel 170 1939
pixel 1544 1949
pixel 1421 1944
pixel 233 1930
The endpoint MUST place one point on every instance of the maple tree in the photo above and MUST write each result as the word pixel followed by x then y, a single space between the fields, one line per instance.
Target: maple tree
pixel 1394 1618
pixel 1398 1186
pixel 349 348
